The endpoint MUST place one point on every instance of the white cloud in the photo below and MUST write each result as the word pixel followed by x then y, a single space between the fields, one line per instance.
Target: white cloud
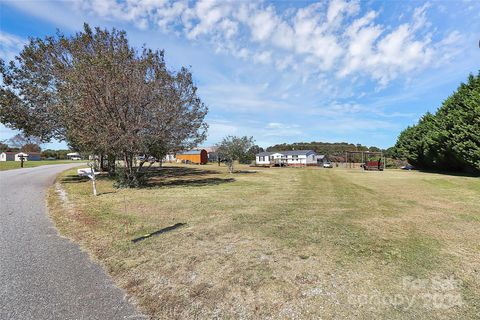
pixel 10 45
pixel 326 37
pixel 337 37
pixel 263 57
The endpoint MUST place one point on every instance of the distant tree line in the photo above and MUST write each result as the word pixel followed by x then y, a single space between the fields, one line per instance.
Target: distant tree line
pixel 448 139
pixel 103 97
pixel 57 154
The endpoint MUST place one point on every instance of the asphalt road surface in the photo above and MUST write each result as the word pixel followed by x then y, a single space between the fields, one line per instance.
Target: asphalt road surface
pixel 43 275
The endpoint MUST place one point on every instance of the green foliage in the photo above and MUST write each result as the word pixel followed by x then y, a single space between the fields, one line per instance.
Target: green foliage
pixel 31 147
pixel 124 180
pixel 250 155
pixel 102 96
pixel 57 154
pixel 234 148
pixel 337 148
pixel 450 138
pixel 3 146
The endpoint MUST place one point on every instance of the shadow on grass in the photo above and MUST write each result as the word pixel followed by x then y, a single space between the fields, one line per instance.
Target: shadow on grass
pixel 187 182
pixel 107 192
pixel 452 173
pixel 73 178
pixel 244 171
pixel 174 172
pixel 168 177
pixel 182 176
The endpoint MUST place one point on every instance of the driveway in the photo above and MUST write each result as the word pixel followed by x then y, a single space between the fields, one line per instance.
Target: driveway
pixel 43 275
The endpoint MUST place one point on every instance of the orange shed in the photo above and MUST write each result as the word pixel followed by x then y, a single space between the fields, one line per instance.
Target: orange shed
pixel 198 156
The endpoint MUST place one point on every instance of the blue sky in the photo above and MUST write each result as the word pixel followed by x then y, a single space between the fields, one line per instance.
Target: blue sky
pixel 284 71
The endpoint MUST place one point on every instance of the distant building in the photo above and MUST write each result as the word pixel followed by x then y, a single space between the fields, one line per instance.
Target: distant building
pixel 19 155
pixel 197 156
pixel 7 156
pixel 15 156
pixel 289 158
pixel 169 158
pixel 73 156
pixel 212 154
pixel 34 156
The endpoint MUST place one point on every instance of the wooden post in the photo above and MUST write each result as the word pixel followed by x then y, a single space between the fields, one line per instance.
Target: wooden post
pixel 94 183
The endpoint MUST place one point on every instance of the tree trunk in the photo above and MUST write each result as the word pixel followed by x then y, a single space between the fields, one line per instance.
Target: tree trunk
pixel 111 164
pixel 230 166
pixel 94 183
pixel 103 166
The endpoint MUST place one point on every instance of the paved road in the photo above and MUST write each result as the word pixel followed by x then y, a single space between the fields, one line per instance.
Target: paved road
pixel 43 275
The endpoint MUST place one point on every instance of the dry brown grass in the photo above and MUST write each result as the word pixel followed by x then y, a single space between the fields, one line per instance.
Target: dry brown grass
pixel 283 243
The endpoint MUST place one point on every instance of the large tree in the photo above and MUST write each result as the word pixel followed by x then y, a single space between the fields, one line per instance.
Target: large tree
pixel 3 145
pixel 233 148
pixel 25 143
pixel 102 96
pixel 450 138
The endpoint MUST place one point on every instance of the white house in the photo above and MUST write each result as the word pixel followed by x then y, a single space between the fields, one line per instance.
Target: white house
pixel 15 156
pixel 20 154
pixel 7 156
pixel 34 156
pixel 73 156
pixel 289 158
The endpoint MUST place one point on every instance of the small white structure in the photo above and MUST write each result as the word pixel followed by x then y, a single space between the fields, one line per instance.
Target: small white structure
pixel 74 156
pixel 289 158
pixel 15 156
pixel 20 154
pixel 7 156
pixel 169 158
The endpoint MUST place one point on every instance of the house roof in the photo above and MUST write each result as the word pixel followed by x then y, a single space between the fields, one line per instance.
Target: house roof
pixel 297 152
pixel 210 149
pixel 21 152
pixel 196 151
pixel 262 154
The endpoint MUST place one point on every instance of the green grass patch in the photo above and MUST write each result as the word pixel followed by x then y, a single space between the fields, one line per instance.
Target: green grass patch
pixel 10 165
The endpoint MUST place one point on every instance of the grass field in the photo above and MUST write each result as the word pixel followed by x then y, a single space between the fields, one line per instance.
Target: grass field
pixel 285 243
pixel 9 165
